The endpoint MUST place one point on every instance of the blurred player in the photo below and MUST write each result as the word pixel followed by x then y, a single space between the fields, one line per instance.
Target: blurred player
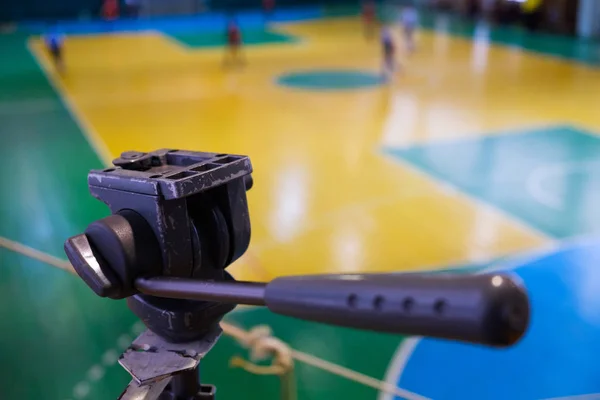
pixel 389 52
pixel 133 8
pixel 409 18
pixel 234 44
pixel 110 10
pixel 54 44
pixel 369 13
pixel 268 8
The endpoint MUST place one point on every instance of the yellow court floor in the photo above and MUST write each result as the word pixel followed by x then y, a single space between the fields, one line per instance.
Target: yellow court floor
pixel 327 196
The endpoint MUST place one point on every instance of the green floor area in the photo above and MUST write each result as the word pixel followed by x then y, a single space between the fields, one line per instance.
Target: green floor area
pixel 54 327
pixel 20 78
pixel 48 157
pixel 250 37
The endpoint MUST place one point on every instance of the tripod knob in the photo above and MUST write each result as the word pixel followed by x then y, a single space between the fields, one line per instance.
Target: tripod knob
pixel 113 252
pixel 91 267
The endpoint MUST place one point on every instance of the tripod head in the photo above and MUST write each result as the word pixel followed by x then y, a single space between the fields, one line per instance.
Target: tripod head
pixel 179 218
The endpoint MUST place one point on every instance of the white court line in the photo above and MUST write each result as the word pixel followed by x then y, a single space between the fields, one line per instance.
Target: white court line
pixel 408 346
pixel 391 389
pixel 248 339
pixel 85 127
pixel 509 131
pixel 398 363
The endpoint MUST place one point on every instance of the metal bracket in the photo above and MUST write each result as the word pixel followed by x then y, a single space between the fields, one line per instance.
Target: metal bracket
pixel 152 362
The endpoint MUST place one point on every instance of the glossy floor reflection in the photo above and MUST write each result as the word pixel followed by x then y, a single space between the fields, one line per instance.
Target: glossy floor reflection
pixel 471 155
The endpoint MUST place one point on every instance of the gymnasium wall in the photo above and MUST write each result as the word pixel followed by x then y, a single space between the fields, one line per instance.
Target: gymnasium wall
pixel 18 10
pixel 44 10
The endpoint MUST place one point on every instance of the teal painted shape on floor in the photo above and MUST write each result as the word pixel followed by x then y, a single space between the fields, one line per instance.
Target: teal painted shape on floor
pixel 328 80
pixel 250 37
pixel 549 178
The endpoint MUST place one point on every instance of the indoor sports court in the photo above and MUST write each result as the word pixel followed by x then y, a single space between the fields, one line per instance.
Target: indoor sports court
pixel 483 153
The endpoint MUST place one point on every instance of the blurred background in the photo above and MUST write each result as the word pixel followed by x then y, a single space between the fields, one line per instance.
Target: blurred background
pixel 385 136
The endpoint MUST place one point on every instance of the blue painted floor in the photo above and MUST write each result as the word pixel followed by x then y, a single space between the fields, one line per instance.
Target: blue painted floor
pixel 558 356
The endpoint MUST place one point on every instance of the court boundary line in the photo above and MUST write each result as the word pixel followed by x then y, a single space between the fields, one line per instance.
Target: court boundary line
pixel 92 137
pixel 398 363
pixel 405 350
pixel 496 133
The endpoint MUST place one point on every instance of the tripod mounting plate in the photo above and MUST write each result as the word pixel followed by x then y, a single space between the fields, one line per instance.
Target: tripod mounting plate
pixel 150 358
pixel 170 173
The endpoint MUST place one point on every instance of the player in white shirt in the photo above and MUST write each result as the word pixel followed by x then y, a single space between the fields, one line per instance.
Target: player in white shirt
pixel 409 19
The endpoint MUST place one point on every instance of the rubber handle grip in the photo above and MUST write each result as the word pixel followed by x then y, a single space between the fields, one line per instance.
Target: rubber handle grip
pixel 489 309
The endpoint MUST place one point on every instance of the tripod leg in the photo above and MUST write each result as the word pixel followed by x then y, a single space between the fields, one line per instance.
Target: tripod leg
pixel 186 384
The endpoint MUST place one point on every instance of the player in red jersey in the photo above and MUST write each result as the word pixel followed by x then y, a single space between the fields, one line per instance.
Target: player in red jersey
pixel 369 15
pixel 110 13
pixel 110 10
pixel 234 44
